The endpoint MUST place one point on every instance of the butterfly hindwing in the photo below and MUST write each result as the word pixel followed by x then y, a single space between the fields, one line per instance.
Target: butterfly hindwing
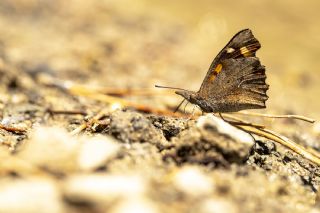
pixel 239 85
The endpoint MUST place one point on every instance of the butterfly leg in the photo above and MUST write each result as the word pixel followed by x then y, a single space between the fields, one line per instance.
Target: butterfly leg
pixel 223 117
pixel 179 106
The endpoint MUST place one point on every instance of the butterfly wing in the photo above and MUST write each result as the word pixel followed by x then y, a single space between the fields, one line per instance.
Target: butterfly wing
pixel 240 85
pixel 236 79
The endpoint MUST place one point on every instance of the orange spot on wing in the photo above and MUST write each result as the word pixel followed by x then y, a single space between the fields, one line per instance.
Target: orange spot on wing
pixel 215 72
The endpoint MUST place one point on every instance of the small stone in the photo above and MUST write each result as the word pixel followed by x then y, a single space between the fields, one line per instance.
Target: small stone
pixel 135 205
pixel 216 206
pixel 132 127
pixel 225 128
pixel 101 188
pixel 233 143
pixel 96 151
pixel 264 148
pixel 53 148
pixel 29 196
pixel 316 128
pixel 192 181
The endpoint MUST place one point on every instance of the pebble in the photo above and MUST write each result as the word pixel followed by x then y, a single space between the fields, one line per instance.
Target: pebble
pixel 217 205
pixel 96 151
pixel 53 148
pixel 192 181
pixel 29 196
pixel 316 128
pixel 135 205
pixel 225 128
pixel 234 143
pixel 102 188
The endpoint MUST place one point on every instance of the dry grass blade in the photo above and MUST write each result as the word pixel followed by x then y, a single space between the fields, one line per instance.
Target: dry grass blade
pixel 85 124
pixel 238 121
pixel 269 134
pixel 12 129
pixel 65 112
pixel 298 117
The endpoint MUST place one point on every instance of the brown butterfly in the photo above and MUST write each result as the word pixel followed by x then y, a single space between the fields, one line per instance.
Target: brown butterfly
pixel 235 80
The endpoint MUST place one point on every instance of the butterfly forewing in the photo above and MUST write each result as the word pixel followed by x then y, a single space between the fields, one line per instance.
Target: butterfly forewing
pixel 241 45
pixel 236 79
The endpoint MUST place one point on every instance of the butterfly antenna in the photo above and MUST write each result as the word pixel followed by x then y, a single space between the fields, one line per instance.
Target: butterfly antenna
pixel 165 87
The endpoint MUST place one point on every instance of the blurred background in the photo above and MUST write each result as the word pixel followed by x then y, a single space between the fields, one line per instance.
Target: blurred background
pixel 122 43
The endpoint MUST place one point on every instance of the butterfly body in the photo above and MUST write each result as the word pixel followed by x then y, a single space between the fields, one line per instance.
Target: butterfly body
pixel 235 80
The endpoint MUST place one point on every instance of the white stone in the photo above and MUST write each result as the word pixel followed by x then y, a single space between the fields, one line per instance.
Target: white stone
pixel 216 206
pixel 225 128
pixel 135 205
pixel 103 188
pixel 52 147
pixel 316 127
pixel 95 151
pixel 193 181
pixel 29 196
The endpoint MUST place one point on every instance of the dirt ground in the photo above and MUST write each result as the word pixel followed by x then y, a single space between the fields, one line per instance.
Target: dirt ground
pixel 58 59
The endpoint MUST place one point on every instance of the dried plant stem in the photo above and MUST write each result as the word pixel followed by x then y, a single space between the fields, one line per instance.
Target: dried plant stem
pixel 12 129
pixel 85 124
pixel 269 134
pixel 65 112
pixel 238 121
pixel 314 152
pixel 79 129
pixel 298 117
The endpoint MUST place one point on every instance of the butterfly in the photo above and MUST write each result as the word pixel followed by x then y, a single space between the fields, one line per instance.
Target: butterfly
pixel 235 80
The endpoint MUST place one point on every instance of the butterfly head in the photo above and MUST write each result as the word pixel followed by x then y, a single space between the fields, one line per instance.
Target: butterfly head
pixel 195 98
pixel 188 95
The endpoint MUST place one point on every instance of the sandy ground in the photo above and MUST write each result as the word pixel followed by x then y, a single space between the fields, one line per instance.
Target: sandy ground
pixel 131 161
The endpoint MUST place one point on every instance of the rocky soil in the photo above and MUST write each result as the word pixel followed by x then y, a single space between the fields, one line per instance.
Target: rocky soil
pixel 129 160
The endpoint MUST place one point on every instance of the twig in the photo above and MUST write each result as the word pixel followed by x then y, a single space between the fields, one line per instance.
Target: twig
pixel 85 124
pixel 238 121
pixel 65 112
pixel 298 117
pixel 12 129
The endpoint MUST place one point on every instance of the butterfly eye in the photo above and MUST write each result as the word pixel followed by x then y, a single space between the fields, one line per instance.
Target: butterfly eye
pixel 230 50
